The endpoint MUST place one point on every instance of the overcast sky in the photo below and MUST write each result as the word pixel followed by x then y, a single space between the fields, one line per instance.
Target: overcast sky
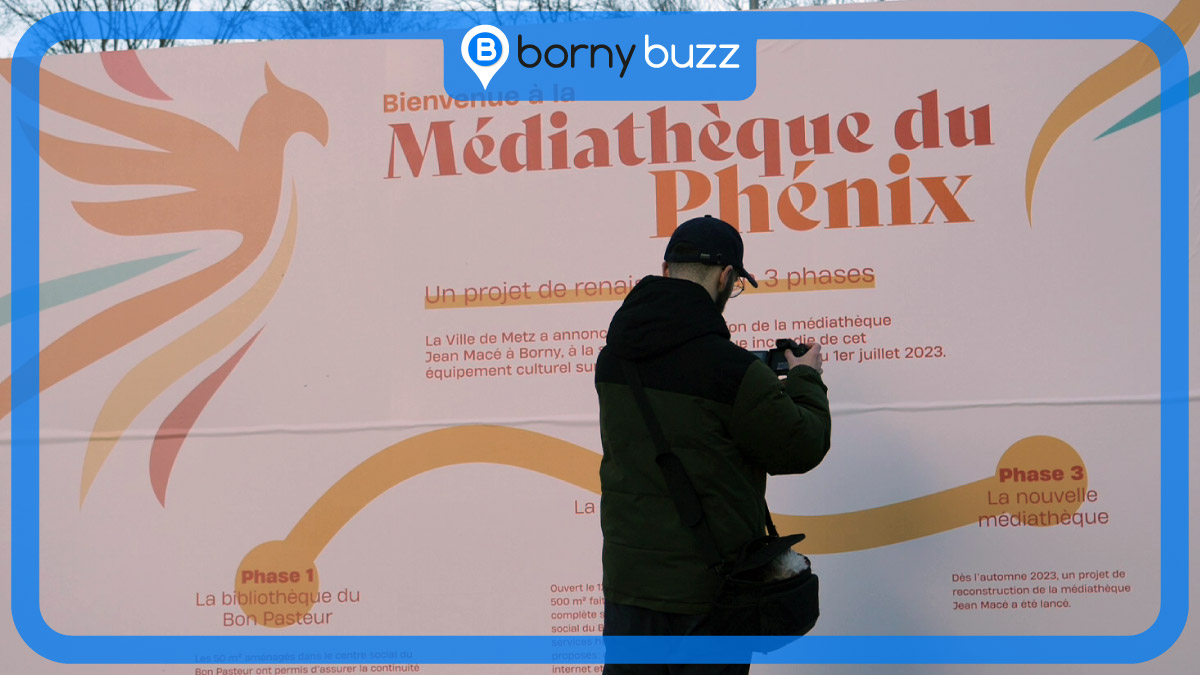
pixel 8 40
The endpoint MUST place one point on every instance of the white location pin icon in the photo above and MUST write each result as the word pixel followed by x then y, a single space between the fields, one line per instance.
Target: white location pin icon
pixel 485 49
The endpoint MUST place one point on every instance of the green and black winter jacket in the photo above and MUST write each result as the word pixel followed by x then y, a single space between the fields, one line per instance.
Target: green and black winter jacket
pixel 725 414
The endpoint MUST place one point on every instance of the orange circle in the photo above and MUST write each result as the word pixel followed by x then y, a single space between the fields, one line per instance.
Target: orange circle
pixel 276 584
pixel 899 163
pixel 1041 473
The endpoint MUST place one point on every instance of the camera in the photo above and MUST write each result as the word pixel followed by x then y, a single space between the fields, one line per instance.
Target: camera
pixel 775 359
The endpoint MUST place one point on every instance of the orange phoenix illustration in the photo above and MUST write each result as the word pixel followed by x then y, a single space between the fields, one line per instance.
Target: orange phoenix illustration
pixel 228 188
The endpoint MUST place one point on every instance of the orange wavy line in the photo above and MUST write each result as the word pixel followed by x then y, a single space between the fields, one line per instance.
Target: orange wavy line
pixel 833 533
pixel 1102 85
pixel 1043 465
pixel 433 450
pixel 236 190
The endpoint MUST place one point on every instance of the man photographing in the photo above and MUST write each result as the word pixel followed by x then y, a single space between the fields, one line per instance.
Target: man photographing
pixel 727 416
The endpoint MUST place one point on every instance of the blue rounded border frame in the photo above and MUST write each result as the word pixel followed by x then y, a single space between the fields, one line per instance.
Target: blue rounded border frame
pixel 748 26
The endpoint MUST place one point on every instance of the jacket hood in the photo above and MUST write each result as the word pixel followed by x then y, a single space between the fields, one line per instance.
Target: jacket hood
pixel 660 314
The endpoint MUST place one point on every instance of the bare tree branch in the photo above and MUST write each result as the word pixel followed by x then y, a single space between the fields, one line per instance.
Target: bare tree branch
pixel 29 12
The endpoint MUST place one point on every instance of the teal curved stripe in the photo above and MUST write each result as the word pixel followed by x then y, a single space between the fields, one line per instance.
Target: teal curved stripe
pixel 1151 108
pixel 75 286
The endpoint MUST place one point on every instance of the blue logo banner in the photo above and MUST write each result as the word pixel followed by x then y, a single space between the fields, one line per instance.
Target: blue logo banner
pixel 676 58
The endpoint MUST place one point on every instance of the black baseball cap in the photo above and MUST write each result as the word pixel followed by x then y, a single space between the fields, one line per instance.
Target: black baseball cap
pixel 711 241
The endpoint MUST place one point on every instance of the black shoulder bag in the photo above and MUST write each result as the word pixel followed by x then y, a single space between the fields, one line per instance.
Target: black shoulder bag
pixel 746 603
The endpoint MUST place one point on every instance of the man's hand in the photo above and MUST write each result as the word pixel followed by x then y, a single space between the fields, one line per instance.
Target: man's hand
pixel 811 358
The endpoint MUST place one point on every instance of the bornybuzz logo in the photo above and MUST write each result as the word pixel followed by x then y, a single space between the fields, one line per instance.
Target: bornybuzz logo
pixel 486 48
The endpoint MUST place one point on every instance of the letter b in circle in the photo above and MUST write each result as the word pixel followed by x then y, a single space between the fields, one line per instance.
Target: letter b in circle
pixel 484 48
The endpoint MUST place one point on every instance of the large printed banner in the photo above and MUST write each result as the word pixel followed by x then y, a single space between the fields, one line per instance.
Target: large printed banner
pixel 317 338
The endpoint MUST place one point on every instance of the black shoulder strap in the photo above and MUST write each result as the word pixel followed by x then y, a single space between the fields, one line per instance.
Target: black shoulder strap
pixel 687 502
